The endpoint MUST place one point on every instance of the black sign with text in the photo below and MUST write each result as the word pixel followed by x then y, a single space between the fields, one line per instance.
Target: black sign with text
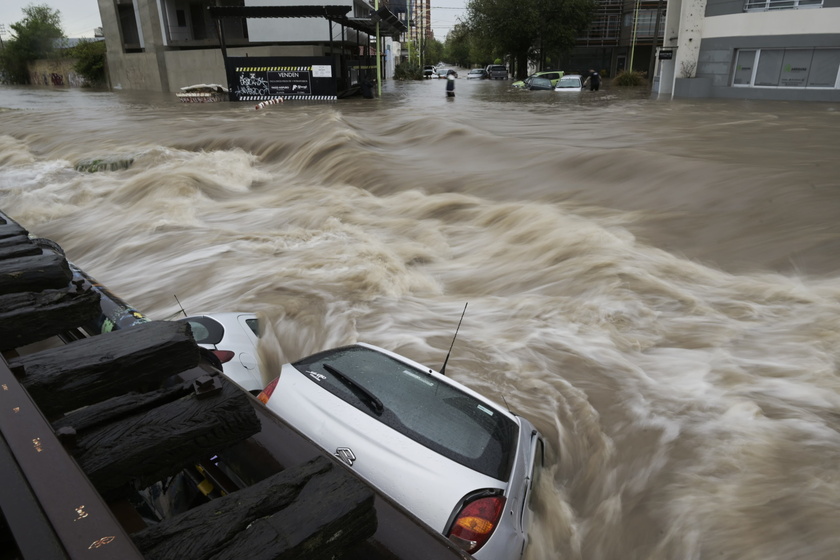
pixel 264 78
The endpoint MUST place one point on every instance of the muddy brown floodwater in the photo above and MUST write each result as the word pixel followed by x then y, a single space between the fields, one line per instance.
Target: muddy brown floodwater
pixel 653 283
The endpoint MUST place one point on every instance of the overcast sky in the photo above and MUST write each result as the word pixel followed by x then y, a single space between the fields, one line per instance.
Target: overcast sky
pixel 80 17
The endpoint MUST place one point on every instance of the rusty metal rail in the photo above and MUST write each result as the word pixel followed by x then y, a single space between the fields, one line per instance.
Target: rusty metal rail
pixel 44 494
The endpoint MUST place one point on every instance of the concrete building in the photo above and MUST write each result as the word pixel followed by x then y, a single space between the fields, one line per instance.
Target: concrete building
pixel 163 45
pixel 622 32
pixel 751 49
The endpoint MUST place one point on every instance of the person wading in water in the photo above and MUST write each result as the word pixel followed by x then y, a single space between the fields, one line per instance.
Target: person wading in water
pixel 450 83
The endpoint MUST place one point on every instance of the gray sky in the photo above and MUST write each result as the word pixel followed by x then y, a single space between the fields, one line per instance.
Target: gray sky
pixel 80 17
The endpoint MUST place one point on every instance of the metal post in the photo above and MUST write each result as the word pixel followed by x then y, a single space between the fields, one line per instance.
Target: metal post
pixel 378 61
pixel 652 66
pixel 635 25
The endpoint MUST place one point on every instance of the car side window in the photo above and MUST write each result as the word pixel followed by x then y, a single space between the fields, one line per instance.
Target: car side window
pixel 205 330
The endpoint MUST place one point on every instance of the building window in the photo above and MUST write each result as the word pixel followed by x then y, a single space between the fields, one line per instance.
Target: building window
pixel 765 5
pixel 787 68
pixel 181 17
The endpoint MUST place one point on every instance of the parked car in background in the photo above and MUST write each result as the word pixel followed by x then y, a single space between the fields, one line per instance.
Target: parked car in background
pixel 497 72
pixel 441 72
pixel 553 75
pixel 477 74
pixel 461 463
pixel 232 338
pixel 429 71
pixel 539 83
pixel 572 82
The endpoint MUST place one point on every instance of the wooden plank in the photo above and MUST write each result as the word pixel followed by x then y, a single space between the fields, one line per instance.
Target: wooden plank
pixel 15 240
pixel 147 447
pixel 77 514
pixel 28 317
pixel 34 273
pixel 116 408
pixel 97 368
pixel 314 511
pixel 9 228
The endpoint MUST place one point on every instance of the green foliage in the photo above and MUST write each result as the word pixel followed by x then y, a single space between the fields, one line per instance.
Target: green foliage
pixel 528 29
pixel 90 61
pixel 408 71
pixel 32 38
pixel 432 51
pixel 629 78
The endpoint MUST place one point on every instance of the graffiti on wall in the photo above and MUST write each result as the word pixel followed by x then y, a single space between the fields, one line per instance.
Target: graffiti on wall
pixel 55 73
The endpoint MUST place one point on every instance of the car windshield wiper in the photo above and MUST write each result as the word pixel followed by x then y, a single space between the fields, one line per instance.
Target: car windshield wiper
pixel 364 394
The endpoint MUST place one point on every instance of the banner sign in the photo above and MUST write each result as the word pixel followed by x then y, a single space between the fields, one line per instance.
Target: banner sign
pixel 264 78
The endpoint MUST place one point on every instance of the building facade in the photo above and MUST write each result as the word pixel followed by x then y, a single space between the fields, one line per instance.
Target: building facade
pixel 164 45
pixel 751 49
pixel 623 33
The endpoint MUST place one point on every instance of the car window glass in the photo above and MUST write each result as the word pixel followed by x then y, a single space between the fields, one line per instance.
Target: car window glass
pixel 253 324
pixel 205 330
pixel 420 406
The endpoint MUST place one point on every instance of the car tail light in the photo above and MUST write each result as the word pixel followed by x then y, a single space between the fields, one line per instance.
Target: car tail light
pixel 224 355
pixel 265 394
pixel 476 521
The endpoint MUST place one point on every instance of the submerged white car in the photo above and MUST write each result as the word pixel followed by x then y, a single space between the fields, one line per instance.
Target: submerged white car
pixel 461 463
pixel 570 82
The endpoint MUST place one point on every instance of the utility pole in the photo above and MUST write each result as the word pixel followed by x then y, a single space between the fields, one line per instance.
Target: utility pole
pixel 635 25
pixel 652 66
pixel 378 62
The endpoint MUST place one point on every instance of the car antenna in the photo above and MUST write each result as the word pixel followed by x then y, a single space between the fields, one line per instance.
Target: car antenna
pixel 181 306
pixel 443 367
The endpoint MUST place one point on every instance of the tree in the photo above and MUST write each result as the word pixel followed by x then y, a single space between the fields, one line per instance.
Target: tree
pixel 528 29
pixel 32 38
pixel 457 47
pixel 90 61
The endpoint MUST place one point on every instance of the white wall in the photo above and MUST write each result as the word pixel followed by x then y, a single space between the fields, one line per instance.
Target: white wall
pixel 778 22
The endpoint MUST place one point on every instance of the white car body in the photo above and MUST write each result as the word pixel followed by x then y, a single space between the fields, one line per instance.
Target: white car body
pixel 384 447
pixel 231 332
pixel 569 82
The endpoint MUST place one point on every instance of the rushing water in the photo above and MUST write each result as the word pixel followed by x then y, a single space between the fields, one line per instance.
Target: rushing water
pixel 653 283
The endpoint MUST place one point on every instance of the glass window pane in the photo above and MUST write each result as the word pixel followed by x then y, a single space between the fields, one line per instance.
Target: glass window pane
pixel 825 67
pixel 795 67
pixel 744 68
pixel 769 67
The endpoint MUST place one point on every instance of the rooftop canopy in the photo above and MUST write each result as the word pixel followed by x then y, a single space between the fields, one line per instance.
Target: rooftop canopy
pixel 389 24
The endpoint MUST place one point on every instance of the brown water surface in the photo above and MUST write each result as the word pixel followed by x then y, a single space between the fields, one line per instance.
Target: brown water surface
pixel 653 283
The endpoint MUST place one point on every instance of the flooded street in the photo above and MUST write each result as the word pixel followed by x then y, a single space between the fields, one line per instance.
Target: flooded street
pixel 654 284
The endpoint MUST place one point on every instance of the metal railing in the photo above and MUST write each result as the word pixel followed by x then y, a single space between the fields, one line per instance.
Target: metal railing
pixel 766 5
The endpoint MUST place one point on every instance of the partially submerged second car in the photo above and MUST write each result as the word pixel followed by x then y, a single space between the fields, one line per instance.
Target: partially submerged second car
pixel 461 463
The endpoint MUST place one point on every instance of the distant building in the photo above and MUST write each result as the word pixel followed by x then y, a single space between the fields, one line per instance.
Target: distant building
pixel 757 49
pixel 621 31
pixel 752 49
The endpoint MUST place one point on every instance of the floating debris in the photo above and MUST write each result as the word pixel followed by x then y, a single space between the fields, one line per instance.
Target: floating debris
pixel 103 164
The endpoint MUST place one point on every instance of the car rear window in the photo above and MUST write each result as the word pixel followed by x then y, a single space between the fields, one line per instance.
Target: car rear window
pixel 420 406
pixel 205 330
